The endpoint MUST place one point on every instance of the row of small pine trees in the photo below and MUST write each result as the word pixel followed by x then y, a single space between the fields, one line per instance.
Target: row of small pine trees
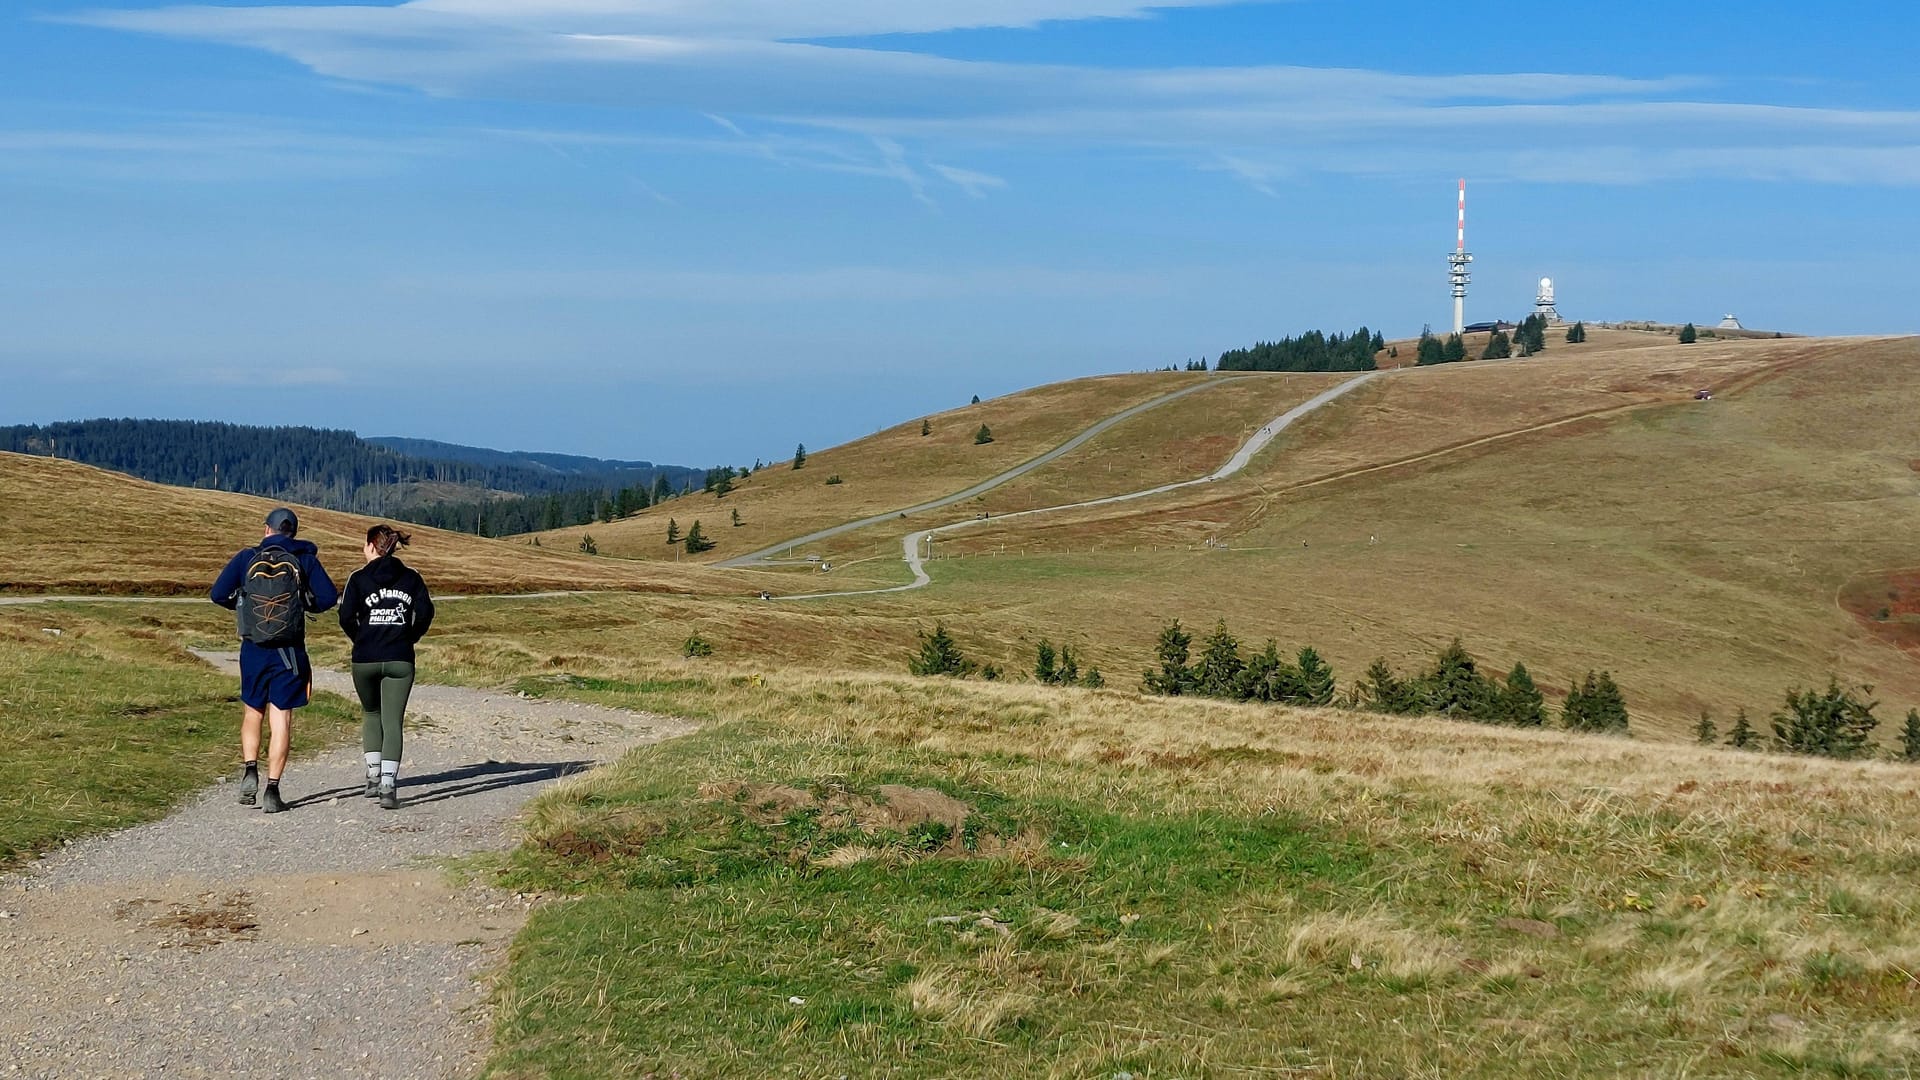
pixel 1062 668
pixel 1452 687
pixel 1837 722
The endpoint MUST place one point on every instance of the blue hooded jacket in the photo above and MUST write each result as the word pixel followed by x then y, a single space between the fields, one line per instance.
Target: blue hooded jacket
pixel 321 592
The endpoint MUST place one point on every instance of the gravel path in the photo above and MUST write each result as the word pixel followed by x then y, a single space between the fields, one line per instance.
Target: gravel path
pixel 325 941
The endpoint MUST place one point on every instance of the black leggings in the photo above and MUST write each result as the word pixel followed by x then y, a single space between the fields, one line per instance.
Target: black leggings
pixel 383 690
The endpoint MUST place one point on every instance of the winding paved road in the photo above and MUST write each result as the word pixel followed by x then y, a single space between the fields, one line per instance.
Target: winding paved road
pixel 912 543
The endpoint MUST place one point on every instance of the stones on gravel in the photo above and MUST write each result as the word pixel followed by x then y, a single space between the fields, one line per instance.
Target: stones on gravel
pixel 359 950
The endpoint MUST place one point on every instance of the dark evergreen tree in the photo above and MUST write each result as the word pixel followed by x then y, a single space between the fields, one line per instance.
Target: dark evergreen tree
pixel 1454 351
pixel 661 490
pixel 1171 651
pixel 1577 333
pixel 1043 663
pixel 1910 737
pixel 1312 351
pixel 1455 688
pixel 939 655
pixel 1383 691
pixel 1268 677
pixel 1596 705
pixel 1429 352
pixel 587 546
pixel 983 436
pixel 723 483
pixel 697 541
pixel 926 427
pixel 976 399
pixel 1577 713
pixel 736 517
pixel 1835 723
pixel 1313 679
pixel 1688 335
pixel 1704 731
pixel 1521 703
pixel 1218 674
pixel 1094 679
pixel 1742 735
pixel 1498 347
pixel 1069 674
pixel 1533 334
pixel 800 456
pixel 673 531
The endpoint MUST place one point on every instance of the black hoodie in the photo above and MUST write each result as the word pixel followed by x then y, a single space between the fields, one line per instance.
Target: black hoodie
pixel 385 609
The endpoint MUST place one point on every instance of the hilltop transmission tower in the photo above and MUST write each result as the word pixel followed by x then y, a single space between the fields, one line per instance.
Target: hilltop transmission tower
pixel 1457 263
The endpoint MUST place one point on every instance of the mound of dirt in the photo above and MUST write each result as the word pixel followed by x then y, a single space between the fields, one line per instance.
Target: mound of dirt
pixel 893 807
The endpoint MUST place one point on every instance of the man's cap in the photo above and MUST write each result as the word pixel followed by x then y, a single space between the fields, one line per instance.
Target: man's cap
pixel 283 522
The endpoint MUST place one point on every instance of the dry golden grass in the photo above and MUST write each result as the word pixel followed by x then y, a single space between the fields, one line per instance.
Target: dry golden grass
pixel 71 528
pixel 1536 903
pixel 1696 549
pixel 889 470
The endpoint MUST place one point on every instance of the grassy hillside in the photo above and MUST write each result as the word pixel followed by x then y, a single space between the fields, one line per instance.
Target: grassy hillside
pixel 848 875
pixel 1573 511
pixel 1695 548
pixel 71 528
pixel 892 469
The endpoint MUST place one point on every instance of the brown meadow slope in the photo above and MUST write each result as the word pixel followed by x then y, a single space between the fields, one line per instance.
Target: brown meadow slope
pixel 71 528
pixel 889 470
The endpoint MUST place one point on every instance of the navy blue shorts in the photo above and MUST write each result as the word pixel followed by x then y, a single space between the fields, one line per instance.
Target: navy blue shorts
pixel 277 677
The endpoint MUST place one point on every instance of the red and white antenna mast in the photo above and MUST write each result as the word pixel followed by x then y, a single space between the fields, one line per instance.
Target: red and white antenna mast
pixel 1457 274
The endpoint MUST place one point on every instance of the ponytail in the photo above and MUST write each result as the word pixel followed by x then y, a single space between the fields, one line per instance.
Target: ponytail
pixel 386 539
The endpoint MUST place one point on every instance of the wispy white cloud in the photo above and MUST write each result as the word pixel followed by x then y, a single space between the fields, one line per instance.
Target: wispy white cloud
pixel 207 148
pixel 885 112
pixel 866 284
pixel 975 184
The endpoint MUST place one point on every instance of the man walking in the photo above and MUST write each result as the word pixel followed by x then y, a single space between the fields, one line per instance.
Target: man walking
pixel 272 588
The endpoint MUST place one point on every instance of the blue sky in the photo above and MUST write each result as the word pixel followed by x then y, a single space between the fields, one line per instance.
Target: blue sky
pixel 705 230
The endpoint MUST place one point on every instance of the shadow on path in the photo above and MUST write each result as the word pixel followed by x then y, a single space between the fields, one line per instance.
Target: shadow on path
pixel 459 782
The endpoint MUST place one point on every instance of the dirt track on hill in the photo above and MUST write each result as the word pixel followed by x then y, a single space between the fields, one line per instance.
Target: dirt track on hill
pixel 325 941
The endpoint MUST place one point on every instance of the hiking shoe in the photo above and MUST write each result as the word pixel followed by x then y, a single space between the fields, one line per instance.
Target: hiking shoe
pixel 249 787
pixel 389 797
pixel 373 787
pixel 271 801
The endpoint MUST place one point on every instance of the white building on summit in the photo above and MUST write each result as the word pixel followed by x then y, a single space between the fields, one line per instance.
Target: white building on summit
pixel 1729 322
pixel 1543 303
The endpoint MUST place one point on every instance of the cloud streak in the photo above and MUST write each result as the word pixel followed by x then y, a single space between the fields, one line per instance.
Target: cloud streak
pixel 886 112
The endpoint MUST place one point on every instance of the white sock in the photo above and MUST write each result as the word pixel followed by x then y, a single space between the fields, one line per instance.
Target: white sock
pixel 373 764
pixel 389 773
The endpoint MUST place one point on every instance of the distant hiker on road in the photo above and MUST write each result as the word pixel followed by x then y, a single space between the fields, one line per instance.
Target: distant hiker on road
pixel 272 588
pixel 385 612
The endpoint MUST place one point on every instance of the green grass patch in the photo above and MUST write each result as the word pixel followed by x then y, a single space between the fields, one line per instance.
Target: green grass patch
pixel 1166 889
pixel 107 725
pixel 738 912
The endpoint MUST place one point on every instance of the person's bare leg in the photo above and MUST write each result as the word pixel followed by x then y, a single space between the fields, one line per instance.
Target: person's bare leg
pixel 250 756
pixel 280 726
pixel 250 734
pixel 281 722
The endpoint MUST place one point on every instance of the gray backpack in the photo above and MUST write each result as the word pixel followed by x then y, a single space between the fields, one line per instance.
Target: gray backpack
pixel 273 599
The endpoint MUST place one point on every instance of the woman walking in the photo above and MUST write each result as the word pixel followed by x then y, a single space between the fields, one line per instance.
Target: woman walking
pixel 384 610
